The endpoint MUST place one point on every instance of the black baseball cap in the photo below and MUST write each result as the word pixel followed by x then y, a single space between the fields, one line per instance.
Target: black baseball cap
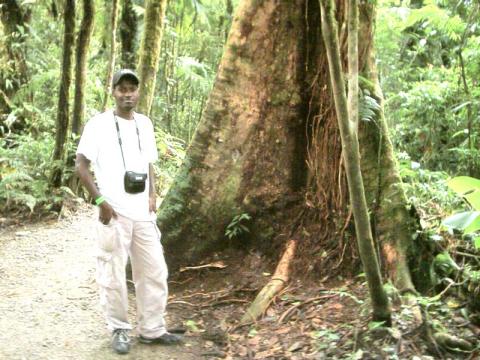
pixel 124 73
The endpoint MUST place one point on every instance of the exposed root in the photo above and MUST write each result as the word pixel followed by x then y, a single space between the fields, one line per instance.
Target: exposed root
pixel 451 342
pixel 276 284
pixel 289 311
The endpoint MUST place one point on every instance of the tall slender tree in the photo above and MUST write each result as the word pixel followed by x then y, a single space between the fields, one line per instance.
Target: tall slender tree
pixel 347 115
pixel 63 112
pixel 83 43
pixel 150 52
pixel 112 54
pixel 395 223
pixel 128 35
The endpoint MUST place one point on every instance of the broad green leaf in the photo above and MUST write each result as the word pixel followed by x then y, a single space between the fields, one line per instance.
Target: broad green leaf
pixel 463 184
pixel 445 261
pixel 463 221
pixel 476 243
pixel 474 199
pixel 474 226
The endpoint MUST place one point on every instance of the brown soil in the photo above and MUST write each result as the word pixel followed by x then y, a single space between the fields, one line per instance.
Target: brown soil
pixel 49 307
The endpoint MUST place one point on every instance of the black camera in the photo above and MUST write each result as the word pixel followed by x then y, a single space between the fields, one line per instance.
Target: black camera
pixel 134 182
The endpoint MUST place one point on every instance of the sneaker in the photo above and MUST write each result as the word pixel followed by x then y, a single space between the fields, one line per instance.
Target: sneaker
pixel 121 341
pixel 165 339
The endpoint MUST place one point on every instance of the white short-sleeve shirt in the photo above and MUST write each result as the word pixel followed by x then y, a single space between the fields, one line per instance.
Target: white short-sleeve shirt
pixel 99 144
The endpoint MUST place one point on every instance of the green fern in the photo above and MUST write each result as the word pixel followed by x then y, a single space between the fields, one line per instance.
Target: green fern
pixel 434 17
pixel 368 107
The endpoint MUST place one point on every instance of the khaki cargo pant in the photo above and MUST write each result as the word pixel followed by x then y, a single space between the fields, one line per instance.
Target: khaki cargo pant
pixel 140 240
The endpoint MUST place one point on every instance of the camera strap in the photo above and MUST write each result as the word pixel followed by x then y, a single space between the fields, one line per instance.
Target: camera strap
pixel 120 138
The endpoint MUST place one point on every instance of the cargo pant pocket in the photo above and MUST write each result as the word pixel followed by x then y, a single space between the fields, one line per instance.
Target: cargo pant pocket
pixel 107 240
pixel 105 274
pixel 107 236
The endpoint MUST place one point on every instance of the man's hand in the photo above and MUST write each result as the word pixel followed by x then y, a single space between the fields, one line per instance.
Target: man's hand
pixel 152 203
pixel 106 213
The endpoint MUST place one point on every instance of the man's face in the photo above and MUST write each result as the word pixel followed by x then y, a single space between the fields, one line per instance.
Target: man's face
pixel 125 94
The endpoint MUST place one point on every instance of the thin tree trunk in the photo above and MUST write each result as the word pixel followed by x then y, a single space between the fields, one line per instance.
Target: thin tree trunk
pixel 83 42
pixel 63 96
pixel 113 51
pixel 128 35
pixel 53 9
pixel 351 154
pixel 150 52
pixel 395 225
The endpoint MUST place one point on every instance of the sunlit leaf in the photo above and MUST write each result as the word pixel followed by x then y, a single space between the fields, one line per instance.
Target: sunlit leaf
pixel 476 243
pixel 467 220
pixel 463 184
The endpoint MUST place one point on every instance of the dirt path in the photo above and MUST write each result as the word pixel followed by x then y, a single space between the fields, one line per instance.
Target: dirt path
pixel 48 296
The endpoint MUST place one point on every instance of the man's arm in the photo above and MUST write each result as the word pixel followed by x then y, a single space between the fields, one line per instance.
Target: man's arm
pixel 82 169
pixel 152 194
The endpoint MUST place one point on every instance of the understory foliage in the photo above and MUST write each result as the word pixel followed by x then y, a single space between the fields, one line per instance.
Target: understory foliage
pixel 428 61
pixel 428 55
pixel 195 32
pixel 429 58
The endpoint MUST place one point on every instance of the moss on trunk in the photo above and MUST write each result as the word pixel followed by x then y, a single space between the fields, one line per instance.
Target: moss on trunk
pixel 128 35
pixel 150 52
pixel 83 43
pixel 268 144
pixel 63 112
pixel 395 225
pixel 242 158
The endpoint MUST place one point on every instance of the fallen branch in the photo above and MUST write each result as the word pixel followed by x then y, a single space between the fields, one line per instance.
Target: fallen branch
pixel 276 283
pixel 288 312
pixel 452 343
pixel 214 265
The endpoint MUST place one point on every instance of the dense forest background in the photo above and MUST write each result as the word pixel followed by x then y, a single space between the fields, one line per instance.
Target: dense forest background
pixel 427 54
pixel 428 58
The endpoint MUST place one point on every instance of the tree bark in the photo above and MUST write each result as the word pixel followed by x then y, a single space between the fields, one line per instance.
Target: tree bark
pixel 348 130
pixel 395 226
pixel 150 52
pixel 62 119
pixel 128 35
pixel 246 154
pixel 83 43
pixel 112 57
pixel 268 144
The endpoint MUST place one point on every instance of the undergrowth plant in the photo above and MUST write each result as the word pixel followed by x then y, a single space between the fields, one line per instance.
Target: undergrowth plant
pixel 24 169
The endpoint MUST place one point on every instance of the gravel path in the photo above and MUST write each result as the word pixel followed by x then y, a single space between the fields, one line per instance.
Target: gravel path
pixel 48 297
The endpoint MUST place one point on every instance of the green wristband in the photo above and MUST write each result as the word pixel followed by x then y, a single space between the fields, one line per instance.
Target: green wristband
pixel 99 200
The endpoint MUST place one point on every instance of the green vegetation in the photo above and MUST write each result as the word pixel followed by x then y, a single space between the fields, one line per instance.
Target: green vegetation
pixel 428 56
pixel 192 45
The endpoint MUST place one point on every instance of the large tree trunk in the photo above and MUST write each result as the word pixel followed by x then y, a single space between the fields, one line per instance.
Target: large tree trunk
pixel 61 128
pixel 83 42
pixel 112 54
pixel 14 71
pixel 247 154
pixel 268 144
pixel 128 35
pixel 150 52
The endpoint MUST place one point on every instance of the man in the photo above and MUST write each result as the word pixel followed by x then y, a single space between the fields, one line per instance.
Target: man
pixel 120 144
